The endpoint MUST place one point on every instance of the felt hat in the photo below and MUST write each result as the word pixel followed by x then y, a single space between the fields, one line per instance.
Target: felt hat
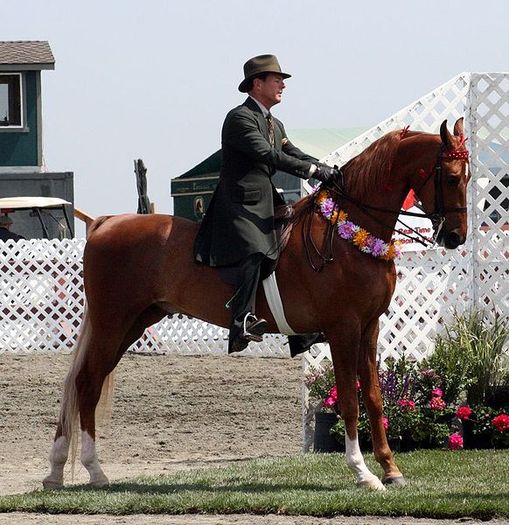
pixel 260 64
pixel 5 220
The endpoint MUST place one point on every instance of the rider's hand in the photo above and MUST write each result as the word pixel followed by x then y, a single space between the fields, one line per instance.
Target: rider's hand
pixel 324 173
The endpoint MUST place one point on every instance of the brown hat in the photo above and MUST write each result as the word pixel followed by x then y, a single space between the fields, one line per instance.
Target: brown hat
pixel 258 65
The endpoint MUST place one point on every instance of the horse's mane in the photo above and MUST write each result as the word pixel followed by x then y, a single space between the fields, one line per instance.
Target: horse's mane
pixel 369 171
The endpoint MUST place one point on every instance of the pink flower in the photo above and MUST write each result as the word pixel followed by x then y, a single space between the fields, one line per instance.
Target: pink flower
pixel 437 403
pixel 464 413
pixel 501 422
pixel 407 404
pixel 329 402
pixel 437 392
pixel 455 441
pixel 385 421
pixel 332 399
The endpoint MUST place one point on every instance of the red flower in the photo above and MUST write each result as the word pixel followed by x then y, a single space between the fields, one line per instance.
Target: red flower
pixel 407 404
pixel 501 422
pixel 437 392
pixel 437 403
pixel 455 441
pixel 464 413
pixel 385 421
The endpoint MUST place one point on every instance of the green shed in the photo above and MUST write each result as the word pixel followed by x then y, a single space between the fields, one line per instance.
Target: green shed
pixel 193 190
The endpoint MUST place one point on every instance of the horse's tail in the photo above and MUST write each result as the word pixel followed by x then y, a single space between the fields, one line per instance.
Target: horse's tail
pixel 69 412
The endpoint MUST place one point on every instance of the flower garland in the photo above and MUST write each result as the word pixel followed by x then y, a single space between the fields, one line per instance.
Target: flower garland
pixel 349 231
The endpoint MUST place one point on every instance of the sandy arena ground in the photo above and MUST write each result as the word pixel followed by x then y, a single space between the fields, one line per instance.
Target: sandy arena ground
pixel 169 413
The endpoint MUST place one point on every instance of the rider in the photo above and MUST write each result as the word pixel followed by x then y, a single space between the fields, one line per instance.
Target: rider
pixel 237 233
pixel 5 232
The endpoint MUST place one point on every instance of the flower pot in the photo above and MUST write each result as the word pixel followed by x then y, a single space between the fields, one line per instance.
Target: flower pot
pixel 323 441
pixel 475 441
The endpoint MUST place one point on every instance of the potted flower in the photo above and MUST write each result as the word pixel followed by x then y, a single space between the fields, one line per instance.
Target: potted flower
pixel 323 396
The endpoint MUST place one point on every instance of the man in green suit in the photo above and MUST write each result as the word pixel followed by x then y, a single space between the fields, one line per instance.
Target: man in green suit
pixel 237 233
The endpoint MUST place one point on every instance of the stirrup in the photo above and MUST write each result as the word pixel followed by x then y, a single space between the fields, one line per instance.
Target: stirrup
pixel 254 332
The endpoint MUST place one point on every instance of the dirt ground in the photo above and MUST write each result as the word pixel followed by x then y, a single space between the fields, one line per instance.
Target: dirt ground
pixel 170 413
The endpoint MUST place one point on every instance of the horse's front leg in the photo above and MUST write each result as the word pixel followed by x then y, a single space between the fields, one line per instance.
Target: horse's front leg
pixel 368 373
pixel 345 354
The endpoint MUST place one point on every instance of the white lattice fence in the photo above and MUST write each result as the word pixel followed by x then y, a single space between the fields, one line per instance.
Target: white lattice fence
pixel 42 301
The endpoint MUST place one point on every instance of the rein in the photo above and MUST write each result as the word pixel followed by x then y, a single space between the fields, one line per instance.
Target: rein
pixel 437 217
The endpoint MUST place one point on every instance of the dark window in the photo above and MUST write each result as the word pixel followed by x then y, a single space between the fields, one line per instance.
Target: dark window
pixel 10 100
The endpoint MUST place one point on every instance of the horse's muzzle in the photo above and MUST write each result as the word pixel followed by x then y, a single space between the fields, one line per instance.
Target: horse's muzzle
pixel 452 239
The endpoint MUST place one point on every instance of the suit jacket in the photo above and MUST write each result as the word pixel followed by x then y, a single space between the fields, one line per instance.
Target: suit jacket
pixel 240 218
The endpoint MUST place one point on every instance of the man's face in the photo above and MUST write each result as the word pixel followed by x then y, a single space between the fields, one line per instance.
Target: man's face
pixel 270 90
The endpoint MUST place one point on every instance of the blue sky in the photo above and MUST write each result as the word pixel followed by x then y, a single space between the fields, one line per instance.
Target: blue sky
pixel 155 79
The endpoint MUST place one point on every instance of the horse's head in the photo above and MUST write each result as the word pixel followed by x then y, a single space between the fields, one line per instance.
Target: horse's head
pixel 443 192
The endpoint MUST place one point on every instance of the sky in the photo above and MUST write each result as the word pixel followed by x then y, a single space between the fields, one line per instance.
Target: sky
pixel 155 79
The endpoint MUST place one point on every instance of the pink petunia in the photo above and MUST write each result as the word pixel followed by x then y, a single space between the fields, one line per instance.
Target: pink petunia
pixel 455 441
pixel 437 392
pixel 385 421
pixel 464 413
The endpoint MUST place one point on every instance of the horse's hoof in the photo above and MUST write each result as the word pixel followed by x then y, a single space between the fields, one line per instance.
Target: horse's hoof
pixel 371 484
pixel 398 481
pixel 50 484
pixel 100 482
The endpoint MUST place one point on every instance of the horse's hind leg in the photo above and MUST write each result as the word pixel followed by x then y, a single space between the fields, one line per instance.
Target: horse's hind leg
pixel 96 355
pixel 373 402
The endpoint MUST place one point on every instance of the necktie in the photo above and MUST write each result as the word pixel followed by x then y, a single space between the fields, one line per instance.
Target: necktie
pixel 270 127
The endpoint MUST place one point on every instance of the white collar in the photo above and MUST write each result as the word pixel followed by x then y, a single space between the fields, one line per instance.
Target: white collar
pixel 265 111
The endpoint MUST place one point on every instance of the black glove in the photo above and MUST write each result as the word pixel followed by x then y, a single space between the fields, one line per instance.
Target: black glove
pixel 324 173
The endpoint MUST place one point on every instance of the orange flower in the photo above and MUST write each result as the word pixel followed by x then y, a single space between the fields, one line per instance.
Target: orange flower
pixel 360 238
pixel 322 196
pixel 343 216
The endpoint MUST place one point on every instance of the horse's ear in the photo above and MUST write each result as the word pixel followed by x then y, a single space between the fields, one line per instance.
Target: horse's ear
pixel 445 135
pixel 458 127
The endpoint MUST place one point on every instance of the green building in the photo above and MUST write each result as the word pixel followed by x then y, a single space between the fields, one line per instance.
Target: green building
pixel 22 173
pixel 193 190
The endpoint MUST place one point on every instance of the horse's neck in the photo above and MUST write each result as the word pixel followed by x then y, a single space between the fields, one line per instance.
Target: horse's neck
pixel 381 200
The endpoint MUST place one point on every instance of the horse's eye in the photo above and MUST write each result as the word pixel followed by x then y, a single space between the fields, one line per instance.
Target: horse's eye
pixel 453 181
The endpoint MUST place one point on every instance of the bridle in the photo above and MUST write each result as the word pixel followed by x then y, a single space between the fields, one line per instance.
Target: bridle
pixel 437 216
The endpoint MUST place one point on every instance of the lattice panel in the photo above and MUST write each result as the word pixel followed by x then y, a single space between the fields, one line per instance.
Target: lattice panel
pixel 426 114
pixel 42 301
pixel 489 118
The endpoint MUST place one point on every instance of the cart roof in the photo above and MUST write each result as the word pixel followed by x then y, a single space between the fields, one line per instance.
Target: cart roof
pixel 28 203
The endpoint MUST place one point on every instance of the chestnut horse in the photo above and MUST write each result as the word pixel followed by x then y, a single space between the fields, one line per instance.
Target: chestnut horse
pixel 140 268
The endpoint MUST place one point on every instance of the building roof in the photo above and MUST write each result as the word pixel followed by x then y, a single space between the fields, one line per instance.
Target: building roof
pixel 322 141
pixel 26 55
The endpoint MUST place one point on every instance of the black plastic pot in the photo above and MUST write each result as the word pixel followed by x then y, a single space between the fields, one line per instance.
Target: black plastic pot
pixel 323 441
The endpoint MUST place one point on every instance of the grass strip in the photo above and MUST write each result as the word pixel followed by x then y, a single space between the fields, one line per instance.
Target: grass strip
pixel 442 484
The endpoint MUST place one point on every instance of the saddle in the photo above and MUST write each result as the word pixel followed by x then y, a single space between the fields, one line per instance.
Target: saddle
pixel 283 223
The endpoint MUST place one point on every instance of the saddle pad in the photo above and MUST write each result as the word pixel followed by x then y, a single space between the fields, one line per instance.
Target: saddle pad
pixel 276 305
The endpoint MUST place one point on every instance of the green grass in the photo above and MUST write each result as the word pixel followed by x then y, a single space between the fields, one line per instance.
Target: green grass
pixel 441 485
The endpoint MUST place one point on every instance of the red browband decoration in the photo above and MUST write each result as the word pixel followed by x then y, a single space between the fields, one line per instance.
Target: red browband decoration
pixel 456 155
